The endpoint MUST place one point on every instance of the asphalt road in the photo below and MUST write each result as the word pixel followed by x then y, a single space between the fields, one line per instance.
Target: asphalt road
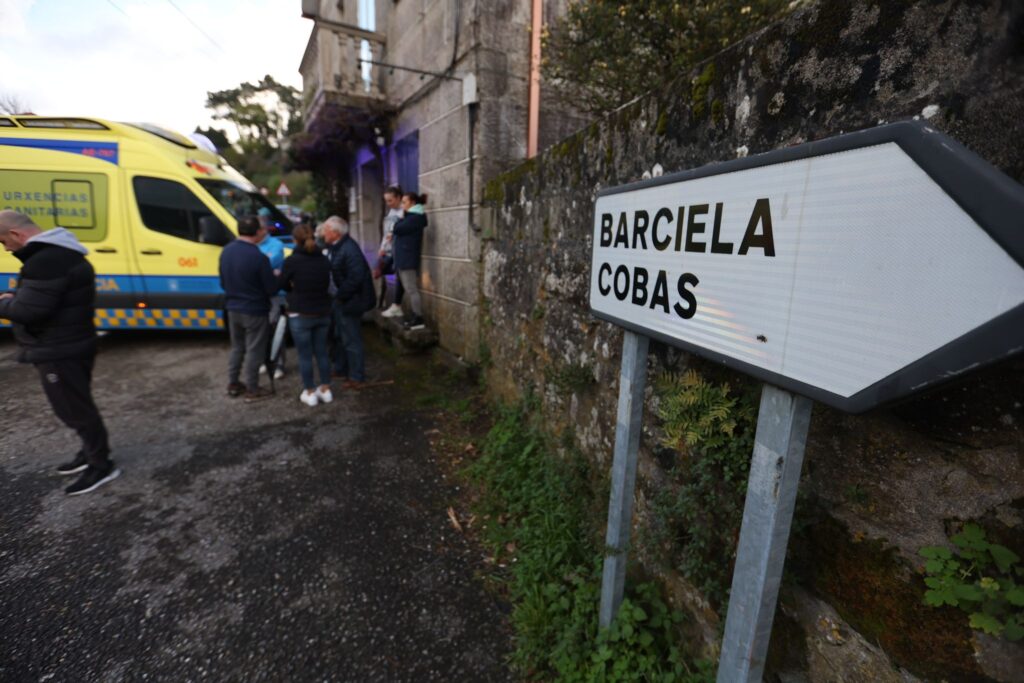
pixel 268 542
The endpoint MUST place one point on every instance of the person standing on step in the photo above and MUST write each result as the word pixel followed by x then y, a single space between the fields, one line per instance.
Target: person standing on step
pixel 52 312
pixel 354 296
pixel 248 282
pixel 408 244
pixel 306 276
pixel 386 264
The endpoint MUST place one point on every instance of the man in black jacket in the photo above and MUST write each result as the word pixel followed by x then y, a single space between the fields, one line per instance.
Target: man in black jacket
pixel 52 314
pixel 354 296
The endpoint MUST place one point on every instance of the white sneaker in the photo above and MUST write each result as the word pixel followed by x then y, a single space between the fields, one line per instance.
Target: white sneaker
pixel 278 373
pixel 310 399
pixel 393 311
pixel 263 369
pixel 324 395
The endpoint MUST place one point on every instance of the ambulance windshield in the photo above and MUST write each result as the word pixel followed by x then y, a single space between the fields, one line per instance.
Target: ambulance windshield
pixel 240 202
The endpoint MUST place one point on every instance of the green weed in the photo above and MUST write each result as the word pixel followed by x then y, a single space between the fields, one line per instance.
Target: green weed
pixel 984 579
pixel 538 519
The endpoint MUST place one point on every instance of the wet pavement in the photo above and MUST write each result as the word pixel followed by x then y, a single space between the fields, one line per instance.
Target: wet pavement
pixel 262 542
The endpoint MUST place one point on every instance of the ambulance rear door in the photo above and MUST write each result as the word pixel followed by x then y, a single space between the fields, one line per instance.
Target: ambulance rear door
pixel 85 199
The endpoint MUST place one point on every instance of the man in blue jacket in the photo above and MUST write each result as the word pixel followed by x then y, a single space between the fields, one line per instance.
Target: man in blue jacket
pixel 354 296
pixel 248 282
pixel 52 314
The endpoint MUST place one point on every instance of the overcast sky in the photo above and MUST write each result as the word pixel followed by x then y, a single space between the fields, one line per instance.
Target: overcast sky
pixel 144 60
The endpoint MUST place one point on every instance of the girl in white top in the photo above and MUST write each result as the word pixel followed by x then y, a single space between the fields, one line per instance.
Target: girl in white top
pixel 385 263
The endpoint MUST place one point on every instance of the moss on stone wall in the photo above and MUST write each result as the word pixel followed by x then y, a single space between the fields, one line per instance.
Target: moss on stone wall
pixel 494 191
pixel 717 111
pixel 699 91
pixel 871 589
pixel 568 148
pixel 662 124
pixel 569 378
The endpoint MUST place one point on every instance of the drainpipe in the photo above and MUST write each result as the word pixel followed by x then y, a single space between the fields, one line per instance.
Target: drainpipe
pixel 533 123
pixel 472 134
pixel 471 101
pixel 471 98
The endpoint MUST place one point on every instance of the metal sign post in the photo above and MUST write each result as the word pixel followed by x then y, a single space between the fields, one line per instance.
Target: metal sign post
pixel 782 424
pixel 632 379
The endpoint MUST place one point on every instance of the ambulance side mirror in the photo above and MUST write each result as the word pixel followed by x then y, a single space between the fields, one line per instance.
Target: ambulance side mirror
pixel 212 231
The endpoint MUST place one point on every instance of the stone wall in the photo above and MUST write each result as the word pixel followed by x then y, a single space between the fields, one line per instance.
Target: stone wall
pixel 879 486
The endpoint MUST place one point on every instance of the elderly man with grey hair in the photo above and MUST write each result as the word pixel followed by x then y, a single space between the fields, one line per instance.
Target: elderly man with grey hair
pixel 354 296
pixel 52 313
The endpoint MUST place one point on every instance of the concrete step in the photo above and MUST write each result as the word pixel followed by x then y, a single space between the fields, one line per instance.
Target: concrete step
pixel 406 341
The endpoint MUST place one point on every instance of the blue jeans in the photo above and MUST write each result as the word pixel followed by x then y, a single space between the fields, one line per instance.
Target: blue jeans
pixel 310 335
pixel 348 345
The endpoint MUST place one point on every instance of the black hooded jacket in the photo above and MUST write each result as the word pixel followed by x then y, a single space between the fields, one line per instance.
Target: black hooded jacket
pixel 409 240
pixel 53 307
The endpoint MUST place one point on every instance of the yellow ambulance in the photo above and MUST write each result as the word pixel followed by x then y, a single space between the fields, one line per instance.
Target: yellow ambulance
pixel 153 208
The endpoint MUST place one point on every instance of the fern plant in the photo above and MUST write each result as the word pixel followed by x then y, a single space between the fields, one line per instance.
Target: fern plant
pixel 711 426
pixel 694 412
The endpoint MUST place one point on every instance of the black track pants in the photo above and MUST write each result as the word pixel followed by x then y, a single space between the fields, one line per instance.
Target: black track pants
pixel 67 384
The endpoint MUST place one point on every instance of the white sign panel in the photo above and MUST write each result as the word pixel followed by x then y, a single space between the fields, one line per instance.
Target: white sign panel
pixel 827 272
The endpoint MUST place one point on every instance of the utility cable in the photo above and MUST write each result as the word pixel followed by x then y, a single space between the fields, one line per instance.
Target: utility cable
pixel 114 5
pixel 196 26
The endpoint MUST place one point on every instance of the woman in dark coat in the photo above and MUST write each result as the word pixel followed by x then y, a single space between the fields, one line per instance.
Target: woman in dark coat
pixel 408 234
pixel 306 277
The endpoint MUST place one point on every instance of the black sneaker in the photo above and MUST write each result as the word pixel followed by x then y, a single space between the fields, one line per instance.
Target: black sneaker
pixel 414 323
pixel 92 479
pixel 236 389
pixel 75 466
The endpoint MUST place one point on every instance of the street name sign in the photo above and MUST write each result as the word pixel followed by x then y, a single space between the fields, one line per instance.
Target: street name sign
pixel 855 271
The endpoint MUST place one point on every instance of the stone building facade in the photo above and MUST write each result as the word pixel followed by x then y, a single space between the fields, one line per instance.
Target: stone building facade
pixel 451 79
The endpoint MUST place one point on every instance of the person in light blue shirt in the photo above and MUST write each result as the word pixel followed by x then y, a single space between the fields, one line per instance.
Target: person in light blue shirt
pixel 271 246
pixel 273 249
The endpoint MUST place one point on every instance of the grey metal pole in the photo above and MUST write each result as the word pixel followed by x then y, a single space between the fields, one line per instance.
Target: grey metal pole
pixel 771 495
pixel 632 379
